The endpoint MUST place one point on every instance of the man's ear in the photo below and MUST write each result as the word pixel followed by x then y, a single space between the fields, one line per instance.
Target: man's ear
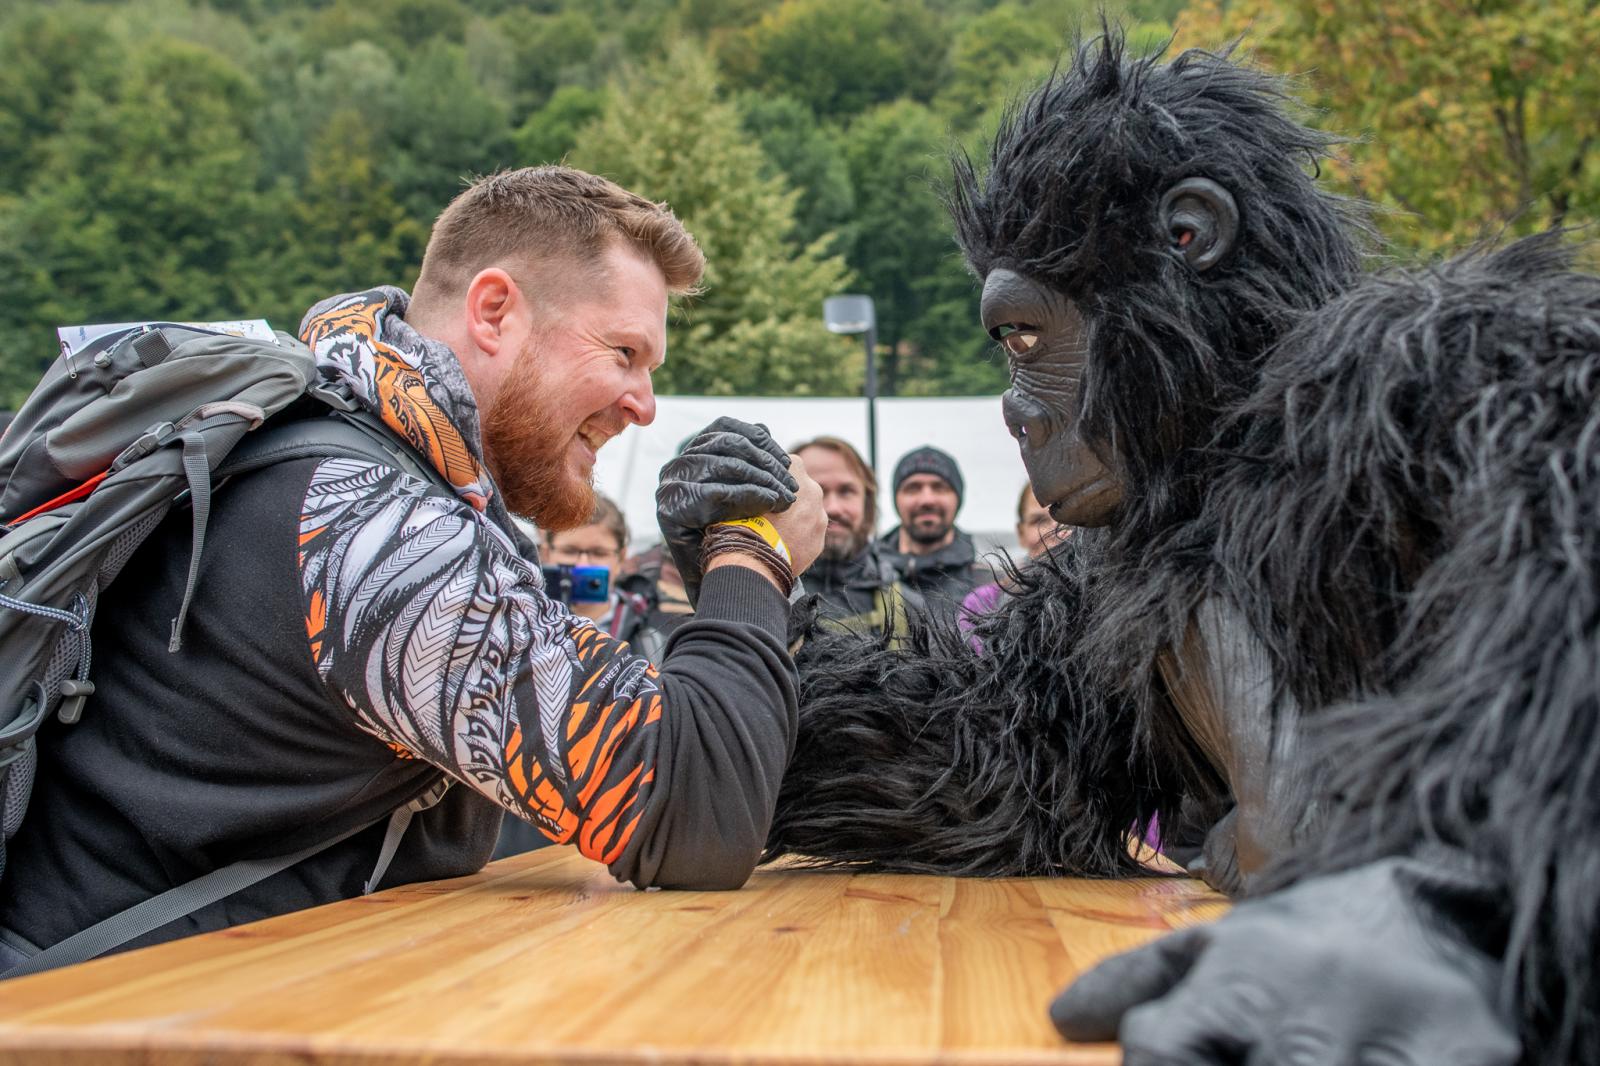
pixel 494 309
pixel 1199 222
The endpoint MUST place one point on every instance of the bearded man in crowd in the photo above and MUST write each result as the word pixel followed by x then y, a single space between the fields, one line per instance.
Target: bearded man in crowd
pixel 856 585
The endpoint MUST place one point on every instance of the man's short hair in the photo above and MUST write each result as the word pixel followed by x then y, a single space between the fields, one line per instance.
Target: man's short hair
pixel 551 214
pixel 606 513
pixel 858 466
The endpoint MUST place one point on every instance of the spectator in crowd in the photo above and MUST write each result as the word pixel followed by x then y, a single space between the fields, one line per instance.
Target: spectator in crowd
pixel 858 587
pixel 653 575
pixel 1036 532
pixel 933 556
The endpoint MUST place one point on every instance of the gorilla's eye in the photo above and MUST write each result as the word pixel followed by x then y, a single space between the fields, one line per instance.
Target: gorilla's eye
pixel 1016 338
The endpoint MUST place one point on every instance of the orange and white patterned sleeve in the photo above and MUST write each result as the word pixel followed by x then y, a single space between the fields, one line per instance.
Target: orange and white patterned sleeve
pixel 427 624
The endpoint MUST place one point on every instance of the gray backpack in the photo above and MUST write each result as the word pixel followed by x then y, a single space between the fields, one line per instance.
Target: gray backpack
pixel 113 438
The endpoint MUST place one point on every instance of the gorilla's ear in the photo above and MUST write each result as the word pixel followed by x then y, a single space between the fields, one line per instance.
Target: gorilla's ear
pixel 1199 221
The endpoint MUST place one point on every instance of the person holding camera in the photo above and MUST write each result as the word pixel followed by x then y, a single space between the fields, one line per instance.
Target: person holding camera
pixel 592 553
pixel 373 670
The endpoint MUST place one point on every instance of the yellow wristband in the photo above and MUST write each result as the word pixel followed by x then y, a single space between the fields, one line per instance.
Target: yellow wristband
pixel 768 532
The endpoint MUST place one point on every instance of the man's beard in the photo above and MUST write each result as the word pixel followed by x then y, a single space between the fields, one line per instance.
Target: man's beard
pixel 527 451
pixel 837 549
pixel 923 534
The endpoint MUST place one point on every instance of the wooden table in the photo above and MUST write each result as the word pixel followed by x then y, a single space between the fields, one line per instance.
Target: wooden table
pixel 545 959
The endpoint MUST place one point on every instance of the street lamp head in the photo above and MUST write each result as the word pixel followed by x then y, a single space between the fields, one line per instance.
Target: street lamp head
pixel 849 313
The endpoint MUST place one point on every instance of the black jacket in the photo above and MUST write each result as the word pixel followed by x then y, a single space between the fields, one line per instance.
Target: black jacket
pixel 943 578
pixel 850 586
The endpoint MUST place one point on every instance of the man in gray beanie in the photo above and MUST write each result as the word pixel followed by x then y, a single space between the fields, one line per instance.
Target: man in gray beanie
pixel 933 556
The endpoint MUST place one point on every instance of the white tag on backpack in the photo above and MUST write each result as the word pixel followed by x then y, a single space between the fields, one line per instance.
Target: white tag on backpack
pixel 75 338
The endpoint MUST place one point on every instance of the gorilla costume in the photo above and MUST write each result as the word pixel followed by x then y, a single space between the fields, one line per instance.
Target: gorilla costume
pixel 1338 614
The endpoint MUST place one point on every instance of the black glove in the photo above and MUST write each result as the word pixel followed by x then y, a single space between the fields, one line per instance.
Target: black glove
pixel 732 469
pixel 1369 966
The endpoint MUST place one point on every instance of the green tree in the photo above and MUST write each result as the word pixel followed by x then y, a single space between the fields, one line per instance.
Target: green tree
pixel 758 328
pixel 45 55
pixel 1029 43
pixel 395 25
pixel 839 57
pixel 547 51
pixel 146 206
pixel 449 129
pixel 1474 118
pixel 301 91
pixel 905 253
pixel 550 132
pixel 349 230
pixel 800 149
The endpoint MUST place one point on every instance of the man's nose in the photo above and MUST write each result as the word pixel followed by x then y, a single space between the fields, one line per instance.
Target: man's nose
pixel 639 403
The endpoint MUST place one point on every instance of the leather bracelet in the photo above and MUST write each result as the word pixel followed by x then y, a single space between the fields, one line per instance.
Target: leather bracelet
pixel 779 574
pixel 727 539
pixel 768 560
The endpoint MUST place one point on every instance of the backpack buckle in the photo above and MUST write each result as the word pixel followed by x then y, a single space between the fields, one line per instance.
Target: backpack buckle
pixel 73 693
pixel 338 396
pixel 146 443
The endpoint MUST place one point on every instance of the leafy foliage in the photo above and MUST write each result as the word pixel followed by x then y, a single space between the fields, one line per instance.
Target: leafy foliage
pixel 1476 119
pixel 145 205
pixel 193 158
pixel 758 328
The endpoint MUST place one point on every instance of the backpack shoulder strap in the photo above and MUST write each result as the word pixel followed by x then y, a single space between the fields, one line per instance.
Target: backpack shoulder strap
pixel 352 434
pixel 169 906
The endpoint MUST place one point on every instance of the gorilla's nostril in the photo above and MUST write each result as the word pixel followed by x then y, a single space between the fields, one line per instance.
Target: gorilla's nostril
pixel 1025 418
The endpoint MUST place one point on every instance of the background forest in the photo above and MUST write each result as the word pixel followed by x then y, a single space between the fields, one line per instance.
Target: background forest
pixel 243 158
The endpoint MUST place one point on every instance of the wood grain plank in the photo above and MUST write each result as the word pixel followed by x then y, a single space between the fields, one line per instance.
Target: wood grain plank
pixel 546 959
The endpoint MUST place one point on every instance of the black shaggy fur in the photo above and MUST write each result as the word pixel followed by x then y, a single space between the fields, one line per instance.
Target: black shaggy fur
pixel 968 763
pixel 1064 713
pixel 1396 481
pixel 1456 412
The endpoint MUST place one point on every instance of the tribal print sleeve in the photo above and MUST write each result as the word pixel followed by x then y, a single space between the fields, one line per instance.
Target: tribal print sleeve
pixel 423 618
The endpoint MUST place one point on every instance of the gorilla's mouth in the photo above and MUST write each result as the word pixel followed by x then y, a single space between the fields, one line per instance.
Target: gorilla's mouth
pixel 1068 507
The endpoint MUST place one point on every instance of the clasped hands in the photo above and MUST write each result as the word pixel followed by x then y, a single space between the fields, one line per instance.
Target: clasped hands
pixel 731 470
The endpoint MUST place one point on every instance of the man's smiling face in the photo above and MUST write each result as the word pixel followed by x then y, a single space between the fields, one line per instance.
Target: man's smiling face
pixel 927 506
pixel 582 376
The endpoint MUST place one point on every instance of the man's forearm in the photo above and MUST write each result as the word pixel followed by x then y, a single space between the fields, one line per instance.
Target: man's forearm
pixel 729 708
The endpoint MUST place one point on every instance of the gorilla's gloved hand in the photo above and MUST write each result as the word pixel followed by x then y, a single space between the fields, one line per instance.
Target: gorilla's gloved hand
pixel 1368 966
pixel 731 469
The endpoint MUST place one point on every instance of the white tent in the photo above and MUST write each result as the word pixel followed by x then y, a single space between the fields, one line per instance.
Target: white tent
pixel 969 428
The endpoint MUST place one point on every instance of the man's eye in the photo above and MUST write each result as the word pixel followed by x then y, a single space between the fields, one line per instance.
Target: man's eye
pixel 626 353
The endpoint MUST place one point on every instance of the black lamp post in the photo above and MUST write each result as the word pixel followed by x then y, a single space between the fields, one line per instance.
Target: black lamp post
pixel 854 313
